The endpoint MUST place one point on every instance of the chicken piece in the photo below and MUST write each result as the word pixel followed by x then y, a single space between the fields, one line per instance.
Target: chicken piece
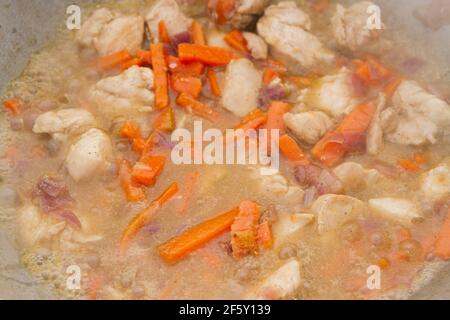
pixel 59 124
pixel 350 28
pixel 127 93
pixel 355 177
pixel 241 88
pixel 399 210
pixel 35 227
pixel 247 11
pixel 285 28
pixel 374 141
pixel 436 182
pixel 334 210
pixel 417 117
pixel 332 94
pixel 289 224
pixel 169 12
pixel 89 155
pixel 258 48
pixel 308 126
pixel 109 34
pixel 280 284
pixel 93 27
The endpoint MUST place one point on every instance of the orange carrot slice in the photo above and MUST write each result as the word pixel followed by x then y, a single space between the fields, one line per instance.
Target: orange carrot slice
pixel 292 151
pixel 163 33
pixel 186 84
pixel 197 107
pixel 212 56
pixel 197 34
pixel 213 83
pixel 132 192
pixel 237 41
pixel 160 75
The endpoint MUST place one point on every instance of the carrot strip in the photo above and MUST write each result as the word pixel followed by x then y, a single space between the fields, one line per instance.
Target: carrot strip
pixel 371 71
pixel 197 34
pixel 212 56
pixel 189 188
pixel 13 105
pixel 264 236
pixel 213 83
pixel 187 69
pixel 145 216
pixel 222 9
pixel 442 245
pixel 114 60
pixel 350 133
pixel 186 84
pixel 160 75
pixel 253 120
pixel 237 41
pixel 130 63
pixel 147 172
pixel 408 165
pixel 165 121
pixel 244 230
pixel 145 55
pixel 197 107
pixel 132 192
pixel 163 33
pixel 269 75
pixel 391 87
pixel 275 116
pixel 179 247
pixel 291 150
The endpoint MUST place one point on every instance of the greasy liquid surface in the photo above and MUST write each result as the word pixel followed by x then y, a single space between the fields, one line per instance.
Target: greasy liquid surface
pixel 331 268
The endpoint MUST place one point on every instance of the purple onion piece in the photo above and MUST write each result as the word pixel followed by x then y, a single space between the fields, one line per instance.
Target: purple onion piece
pixel 68 216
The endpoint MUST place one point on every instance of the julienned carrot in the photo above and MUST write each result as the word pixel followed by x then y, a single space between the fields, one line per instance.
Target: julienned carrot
pixel 163 33
pixel 197 34
pixel 186 84
pixel 160 75
pixel 264 235
pixel 253 120
pixel 145 216
pixel 114 60
pixel 275 116
pixel 146 171
pixel 222 8
pixel 132 131
pixel 130 63
pixel 237 41
pixel 189 188
pixel 187 69
pixel 212 56
pixel 269 76
pixel 349 135
pixel 442 245
pixel 372 71
pixel 197 107
pixel 291 150
pixel 132 191
pixel 13 105
pixel 179 247
pixel 408 165
pixel 213 83
pixel 392 86
pixel 145 55
pixel 165 121
pixel 244 230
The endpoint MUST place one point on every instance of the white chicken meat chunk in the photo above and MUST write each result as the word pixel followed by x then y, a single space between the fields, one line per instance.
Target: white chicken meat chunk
pixel 334 210
pixel 246 11
pixel 109 34
pixel 332 94
pixel 169 12
pixel 241 88
pixel 355 177
pixel 258 48
pixel 289 224
pixel 89 155
pixel 308 126
pixel 59 124
pixel 285 28
pixel 402 211
pixel 436 182
pixel 128 93
pixel 416 117
pixel 280 284
pixel 350 27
